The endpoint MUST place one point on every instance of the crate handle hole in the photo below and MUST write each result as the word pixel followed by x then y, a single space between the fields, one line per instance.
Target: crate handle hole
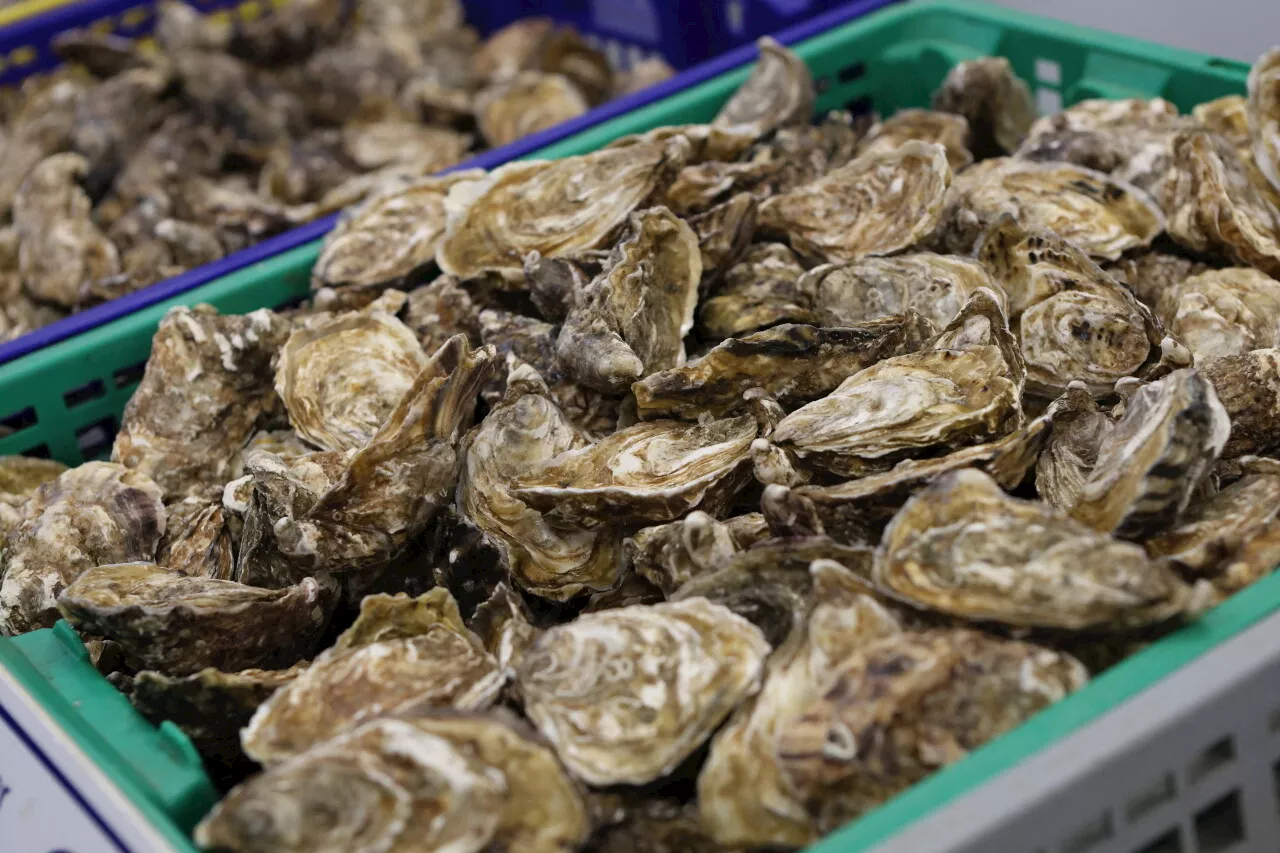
pixel 19 420
pixel 1089 835
pixel 1048 101
pixel 40 451
pixel 849 73
pixel 89 391
pixel 1150 798
pixel 1220 825
pixel 1170 842
pixel 860 106
pixel 131 375
pixel 1218 754
pixel 1048 72
pixel 95 439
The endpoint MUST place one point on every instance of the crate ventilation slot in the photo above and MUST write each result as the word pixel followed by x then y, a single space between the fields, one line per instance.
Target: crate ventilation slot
pixel 89 391
pixel 1220 826
pixel 1155 795
pixel 95 439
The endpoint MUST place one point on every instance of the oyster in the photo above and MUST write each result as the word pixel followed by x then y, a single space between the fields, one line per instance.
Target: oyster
pixel 390 238
pixel 1228 116
pixel 876 205
pixel 626 695
pixel 1099 214
pixel 20 476
pixel 724 234
pixel 526 103
pixel 206 387
pixel 995 101
pixel 197 541
pixel 950 130
pixel 341 377
pixel 668 555
pixel 167 621
pixel 554 284
pixel 1264 114
pixel 1248 386
pixel 632 319
pixel 505 626
pixel 1161 450
pixel 463 782
pixel 779 93
pixel 96 514
pixel 1223 312
pixel 1214 206
pixel 525 430
pixel 654 471
pixel 935 286
pixel 1079 429
pixel 840 619
pixel 792 363
pixel 904 706
pixel 1255 560
pixel 962 388
pixel 402 655
pixel 657 826
pixel 1150 273
pixel 440 310
pixel 961 546
pixel 757 292
pixel 556 207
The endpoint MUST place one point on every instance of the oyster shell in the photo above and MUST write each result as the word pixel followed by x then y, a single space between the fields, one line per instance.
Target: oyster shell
pixel 505 626
pixel 632 319
pixel 625 695
pixel 1257 559
pixel 556 208
pixel 1248 386
pixel 994 100
pixel 206 387
pixel 526 103
pixel 96 514
pixel 197 540
pixel 876 205
pixel 668 555
pixel 839 620
pixel 950 130
pixel 907 705
pixel 1150 273
pixel 757 292
pixel 654 471
pixel 20 476
pixel 656 826
pixel 1079 429
pixel 402 784
pixel 439 310
pixel 402 655
pixel 525 430
pixel 961 546
pixel 1228 115
pixel 1264 114
pixel 167 621
pixel 779 93
pixel 1223 312
pixel 1151 464
pixel 724 234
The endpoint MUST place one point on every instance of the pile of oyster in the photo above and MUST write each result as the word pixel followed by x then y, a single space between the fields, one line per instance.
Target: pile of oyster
pixel 714 488
pixel 136 161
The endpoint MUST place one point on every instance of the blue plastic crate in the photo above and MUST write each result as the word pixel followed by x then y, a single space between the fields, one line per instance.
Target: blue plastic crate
pixel 26 49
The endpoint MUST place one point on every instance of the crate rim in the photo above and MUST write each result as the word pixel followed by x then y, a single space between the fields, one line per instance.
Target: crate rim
pixel 78 13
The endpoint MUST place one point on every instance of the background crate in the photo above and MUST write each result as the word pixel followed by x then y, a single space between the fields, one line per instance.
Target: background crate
pixel 1175 749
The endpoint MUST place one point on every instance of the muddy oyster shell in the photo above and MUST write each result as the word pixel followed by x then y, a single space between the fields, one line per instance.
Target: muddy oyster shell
pixel 949 130
pixel 340 379
pixel 1248 386
pixel 1264 114
pixel 1214 206
pixel 197 540
pixel 668 555
pixel 994 100
pixel 907 705
pixel 531 101
pixel 401 655
pixel 793 364
pixel 962 388
pixel 555 208
pixel 1079 428
pixel 654 471
pixel 96 514
pixel 525 430
pixel 778 93
pixel 963 547
pixel 632 319
pixel 627 694
pixel 402 784
pixel 1151 464
pixel 390 238
pixel 757 292
pixel 1223 312
pixel 206 386
pixel 840 619
pixel 179 625
pixel 876 205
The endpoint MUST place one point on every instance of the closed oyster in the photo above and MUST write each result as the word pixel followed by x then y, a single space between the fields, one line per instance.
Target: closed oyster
pixel 402 784
pixel 390 238
pixel 531 101
pixel 1159 453
pixel 20 476
pixel 1248 386
pixel 724 233
pixel 962 388
pixel 96 514
pixel 1255 560
pixel 1228 115
pixel 778 93
pixel 1150 273
pixel 1223 312
pixel 1075 322
pixel 908 705
pixel 773 597
pixel 632 319
pixel 1264 114
pixel 554 284
pixel 757 292
pixel 653 471
pixel 668 555
pixel 994 100
pixel 379 144
pixel 935 286
pixel 791 363
pixel 41 127
pixel 402 655
pixel 505 626
pixel 1214 206
pixel 341 377
pixel 197 541
pixel 1079 429
pixel 525 430
pixel 440 310
pixel 625 695
pixel 556 207
pixel 963 547
pixel 1101 215
pixel 950 130
pixel 167 621
pixel 206 387
pixel 876 205
pixel 743 797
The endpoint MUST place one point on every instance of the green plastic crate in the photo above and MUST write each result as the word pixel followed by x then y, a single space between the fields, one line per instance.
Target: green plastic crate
pixel 1074 778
